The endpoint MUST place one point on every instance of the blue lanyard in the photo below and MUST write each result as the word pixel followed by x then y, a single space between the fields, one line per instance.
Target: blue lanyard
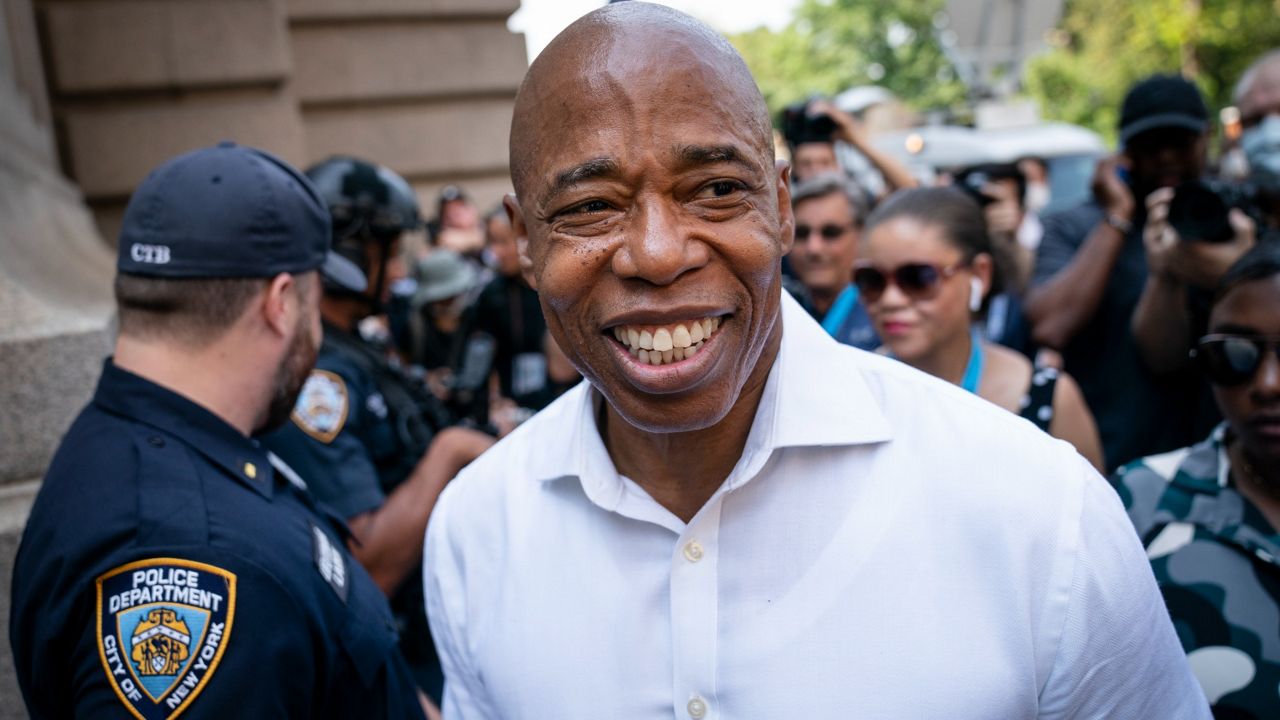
pixel 840 310
pixel 973 371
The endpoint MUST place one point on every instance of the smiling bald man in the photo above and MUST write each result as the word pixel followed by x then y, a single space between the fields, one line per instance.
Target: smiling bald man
pixel 737 517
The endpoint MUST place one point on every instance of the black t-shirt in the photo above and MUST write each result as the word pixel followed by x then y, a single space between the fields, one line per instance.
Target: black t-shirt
pixel 1137 413
pixel 508 310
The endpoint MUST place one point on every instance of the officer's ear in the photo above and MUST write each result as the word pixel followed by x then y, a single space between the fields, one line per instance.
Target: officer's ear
pixel 512 206
pixel 281 304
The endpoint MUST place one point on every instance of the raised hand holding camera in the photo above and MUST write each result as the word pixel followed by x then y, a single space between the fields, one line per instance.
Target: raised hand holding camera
pixel 1189 260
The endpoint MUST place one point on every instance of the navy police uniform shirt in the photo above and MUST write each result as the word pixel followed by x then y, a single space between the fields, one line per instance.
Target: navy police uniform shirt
pixel 355 434
pixel 168 569
pixel 341 436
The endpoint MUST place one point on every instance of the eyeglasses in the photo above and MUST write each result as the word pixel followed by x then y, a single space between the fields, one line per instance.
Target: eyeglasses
pixel 918 281
pixel 828 232
pixel 1233 359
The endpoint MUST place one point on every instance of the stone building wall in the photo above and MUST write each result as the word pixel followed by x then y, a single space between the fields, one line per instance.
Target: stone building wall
pixel 94 93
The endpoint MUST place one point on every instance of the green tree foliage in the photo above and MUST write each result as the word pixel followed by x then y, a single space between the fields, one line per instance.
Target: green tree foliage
pixel 1107 45
pixel 832 45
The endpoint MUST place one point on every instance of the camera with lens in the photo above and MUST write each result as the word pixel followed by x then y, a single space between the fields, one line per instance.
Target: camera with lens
pixel 1199 209
pixel 972 183
pixel 799 127
pixel 974 180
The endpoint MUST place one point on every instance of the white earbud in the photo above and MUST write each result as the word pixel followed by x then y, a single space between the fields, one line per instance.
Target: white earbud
pixel 975 294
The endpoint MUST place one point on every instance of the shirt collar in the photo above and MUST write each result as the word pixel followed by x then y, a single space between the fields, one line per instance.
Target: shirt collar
pixel 822 396
pixel 816 395
pixel 1205 468
pixel 121 392
pixel 1203 476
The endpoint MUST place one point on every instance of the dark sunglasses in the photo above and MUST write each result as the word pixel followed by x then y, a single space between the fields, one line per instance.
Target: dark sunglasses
pixel 1233 359
pixel 828 232
pixel 918 281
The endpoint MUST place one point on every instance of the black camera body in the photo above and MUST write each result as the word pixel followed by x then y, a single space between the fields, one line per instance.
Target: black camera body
pixel 1199 208
pixel 972 180
pixel 799 127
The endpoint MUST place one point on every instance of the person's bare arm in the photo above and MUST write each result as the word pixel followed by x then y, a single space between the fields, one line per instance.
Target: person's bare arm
pixel 388 541
pixel 1162 325
pixel 1073 422
pixel 1162 322
pixel 850 130
pixel 428 708
pixel 1059 308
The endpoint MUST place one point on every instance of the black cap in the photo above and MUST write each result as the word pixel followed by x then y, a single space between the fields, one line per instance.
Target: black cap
pixel 1162 101
pixel 229 212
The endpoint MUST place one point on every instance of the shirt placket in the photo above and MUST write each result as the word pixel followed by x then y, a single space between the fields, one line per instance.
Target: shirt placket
pixel 694 615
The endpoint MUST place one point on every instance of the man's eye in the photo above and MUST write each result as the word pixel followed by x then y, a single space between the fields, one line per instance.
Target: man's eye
pixel 588 207
pixel 720 188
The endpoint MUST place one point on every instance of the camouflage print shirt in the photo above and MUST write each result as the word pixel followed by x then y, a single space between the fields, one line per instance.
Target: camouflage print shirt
pixel 1215 558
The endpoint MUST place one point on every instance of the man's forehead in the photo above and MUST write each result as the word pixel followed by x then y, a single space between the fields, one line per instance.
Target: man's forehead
pixel 677 119
pixel 629 77
pixel 815 151
pixel 621 81
pixel 832 200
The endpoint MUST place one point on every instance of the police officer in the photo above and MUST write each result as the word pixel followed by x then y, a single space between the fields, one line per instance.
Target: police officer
pixel 171 565
pixel 373 442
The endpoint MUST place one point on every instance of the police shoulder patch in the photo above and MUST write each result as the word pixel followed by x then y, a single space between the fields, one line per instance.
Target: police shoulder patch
pixel 162 626
pixel 321 410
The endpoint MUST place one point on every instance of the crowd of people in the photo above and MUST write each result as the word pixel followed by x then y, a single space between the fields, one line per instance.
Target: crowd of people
pixel 1139 326
pixel 406 364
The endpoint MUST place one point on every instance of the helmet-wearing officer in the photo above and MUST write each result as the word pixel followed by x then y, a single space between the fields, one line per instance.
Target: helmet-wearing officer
pixel 373 442
pixel 171 565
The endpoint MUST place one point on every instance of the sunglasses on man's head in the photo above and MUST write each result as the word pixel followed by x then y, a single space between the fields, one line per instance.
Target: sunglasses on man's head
pixel 1233 359
pixel 918 281
pixel 828 232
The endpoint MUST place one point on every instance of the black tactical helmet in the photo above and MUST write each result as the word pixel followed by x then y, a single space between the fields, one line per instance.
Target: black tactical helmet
pixel 368 203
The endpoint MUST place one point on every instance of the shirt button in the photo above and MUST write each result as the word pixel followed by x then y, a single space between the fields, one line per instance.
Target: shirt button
pixel 697 708
pixel 693 551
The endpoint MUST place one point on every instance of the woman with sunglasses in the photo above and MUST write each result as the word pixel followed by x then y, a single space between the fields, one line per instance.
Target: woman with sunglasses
pixel 926 272
pixel 1210 514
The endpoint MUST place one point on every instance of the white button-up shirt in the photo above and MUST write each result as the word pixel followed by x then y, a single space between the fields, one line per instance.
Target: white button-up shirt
pixel 888 546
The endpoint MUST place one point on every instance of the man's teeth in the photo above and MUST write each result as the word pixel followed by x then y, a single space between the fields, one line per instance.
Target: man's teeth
pixel 666 344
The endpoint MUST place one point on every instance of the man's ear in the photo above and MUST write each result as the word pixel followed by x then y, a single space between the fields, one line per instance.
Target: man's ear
pixel 786 219
pixel 281 304
pixel 516 216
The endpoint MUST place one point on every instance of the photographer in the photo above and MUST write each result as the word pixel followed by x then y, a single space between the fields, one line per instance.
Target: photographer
pixel 1257 96
pixel 812 129
pixel 999 189
pixel 1194 233
pixel 1091 268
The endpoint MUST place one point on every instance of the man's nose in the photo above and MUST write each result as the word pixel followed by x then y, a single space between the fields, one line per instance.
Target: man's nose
pixel 1266 384
pixel 658 247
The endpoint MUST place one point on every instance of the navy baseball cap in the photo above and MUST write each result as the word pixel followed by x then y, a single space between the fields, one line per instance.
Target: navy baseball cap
pixel 1162 101
pixel 229 211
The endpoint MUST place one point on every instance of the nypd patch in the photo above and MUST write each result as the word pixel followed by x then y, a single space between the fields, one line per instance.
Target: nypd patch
pixel 162 626
pixel 321 410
